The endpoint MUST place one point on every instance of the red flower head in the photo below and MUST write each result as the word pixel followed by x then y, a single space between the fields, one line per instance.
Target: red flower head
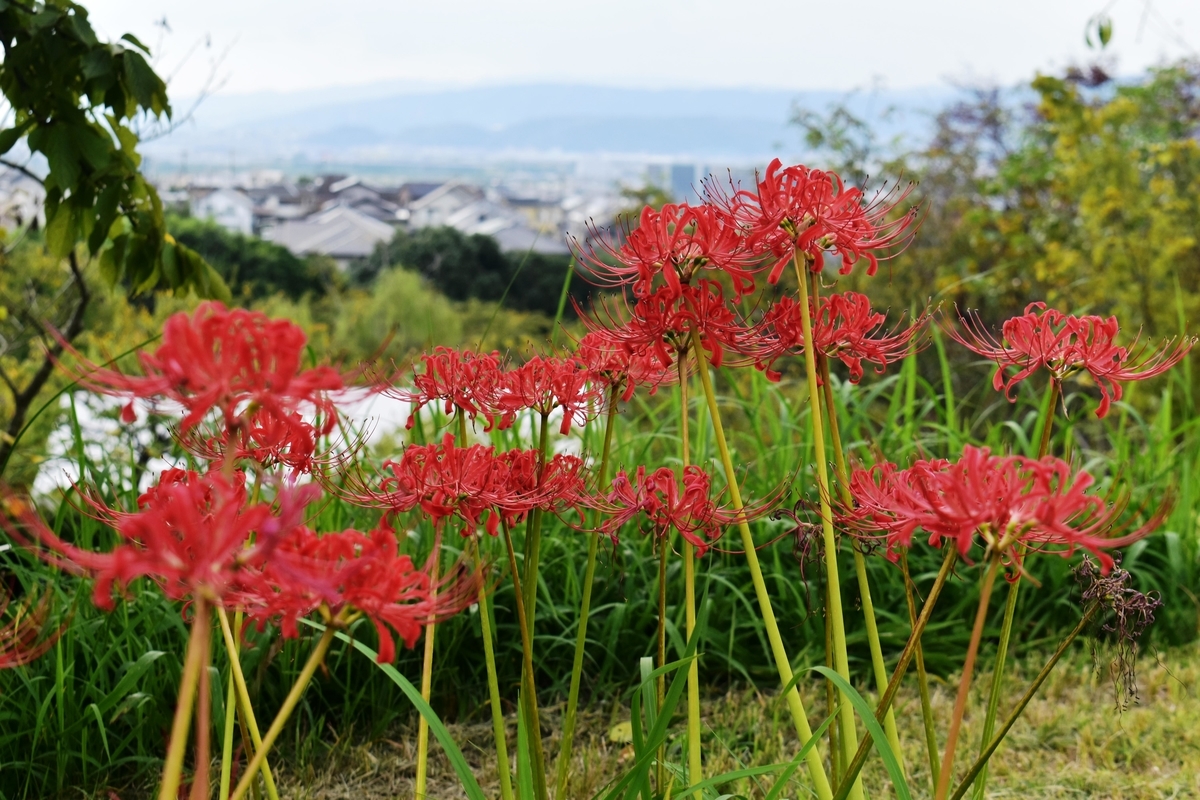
pixel 612 365
pixel 1004 500
pixel 544 384
pixel 1062 344
pixel 463 380
pixel 667 506
pixel 363 571
pixel 191 534
pixel 674 243
pixel 797 209
pixel 229 360
pixel 263 437
pixel 475 484
pixel 845 327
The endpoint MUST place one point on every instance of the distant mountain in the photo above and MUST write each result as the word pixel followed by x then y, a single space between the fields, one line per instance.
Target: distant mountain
pixel 390 122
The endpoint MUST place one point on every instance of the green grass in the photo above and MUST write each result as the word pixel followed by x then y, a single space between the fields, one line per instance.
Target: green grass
pixel 94 711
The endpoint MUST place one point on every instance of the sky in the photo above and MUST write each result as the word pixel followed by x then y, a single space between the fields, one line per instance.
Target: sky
pixel 249 46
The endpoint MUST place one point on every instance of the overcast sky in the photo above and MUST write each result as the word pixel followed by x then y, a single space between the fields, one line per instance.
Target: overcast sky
pixel 791 44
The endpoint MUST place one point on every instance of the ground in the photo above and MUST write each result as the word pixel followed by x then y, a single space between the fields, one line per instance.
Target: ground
pixel 1071 743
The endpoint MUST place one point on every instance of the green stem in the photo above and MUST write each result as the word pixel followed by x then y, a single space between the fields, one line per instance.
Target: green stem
pixel 964 684
pixel 238 679
pixel 849 736
pixel 489 658
pixel 664 548
pixel 188 682
pixel 533 535
pixel 860 564
pixel 695 760
pixel 988 751
pixel 227 739
pixel 1010 604
pixel 202 757
pixel 585 606
pixel 783 665
pixel 289 705
pixel 931 745
pixel 910 647
pixel 422 777
pixel 529 690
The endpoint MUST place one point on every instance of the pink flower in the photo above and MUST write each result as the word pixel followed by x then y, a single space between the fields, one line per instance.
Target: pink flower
pixel 1062 344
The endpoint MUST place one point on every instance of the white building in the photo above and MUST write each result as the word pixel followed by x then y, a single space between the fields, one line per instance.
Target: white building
pixel 340 232
pixel 22 200
pixel 229 208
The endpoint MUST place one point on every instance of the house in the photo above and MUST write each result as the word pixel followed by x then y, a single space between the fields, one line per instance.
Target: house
pixel 340 232
pixel 436 207
pixel 229 208
pixel 508 226
pixel 22 200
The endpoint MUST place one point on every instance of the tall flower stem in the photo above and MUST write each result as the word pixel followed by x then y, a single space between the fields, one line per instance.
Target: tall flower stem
pixel 664 549
pixel 533 534
pixel 1010 605
pixel 1019 709
pixel 816 769
pixel 695 762
pixel 489 660
pixel 964 684
pixel 230 721
pixel 289 705
pixel 422 777
pixel 848 734
pixel 906 655
pixel 238 679
pixel 860 563
pixel 203 710
pixel 931 745
pixel 529 690
pixel 585 607
pixel 188 683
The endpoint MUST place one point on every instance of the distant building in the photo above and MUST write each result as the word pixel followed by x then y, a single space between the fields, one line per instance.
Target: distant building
pixel 22 200
pixel 436 207
pixel 340 232
pixel 684 185
pixel 229 208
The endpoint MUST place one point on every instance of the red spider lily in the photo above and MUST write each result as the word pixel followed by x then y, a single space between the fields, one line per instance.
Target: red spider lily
pixel 26 637
pixel 364 571
pixel 263 437
pixel 543 384
pixel 474 484
pixel 667 505
pixel 845 327
pixel 797 209
pixel 1063 344
pixel 661 324
pixel 192 534
pixel 223 359
pixel 463 380
pixel 612 365
pixel 1004 500
pixel 676 243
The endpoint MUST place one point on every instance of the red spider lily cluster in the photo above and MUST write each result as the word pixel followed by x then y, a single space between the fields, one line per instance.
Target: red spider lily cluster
pixel 999 501
pixel 1063 344
pixel 239 532
pixel 677 264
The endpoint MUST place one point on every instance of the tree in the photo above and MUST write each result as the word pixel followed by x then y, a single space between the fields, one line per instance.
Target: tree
pixel 73 100
pixel 251 267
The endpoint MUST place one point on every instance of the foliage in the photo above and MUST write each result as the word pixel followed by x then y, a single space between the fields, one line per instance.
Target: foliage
pixel 473 268
pixel 74 98
pixel 253 268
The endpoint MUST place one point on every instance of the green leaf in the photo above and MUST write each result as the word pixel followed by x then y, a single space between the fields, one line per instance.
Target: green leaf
pixel 874 729
pixel 60 229
pixel 59 149
pixel 10 136
pixel 146 87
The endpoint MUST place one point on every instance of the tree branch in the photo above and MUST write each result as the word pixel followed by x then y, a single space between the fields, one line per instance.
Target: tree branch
pixel 23 399
pixel 22 169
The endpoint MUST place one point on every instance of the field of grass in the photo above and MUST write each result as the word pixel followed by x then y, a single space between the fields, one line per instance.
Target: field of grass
pixel 93 712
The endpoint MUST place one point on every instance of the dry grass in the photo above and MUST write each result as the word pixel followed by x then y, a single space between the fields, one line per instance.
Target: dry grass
pixel 1071 742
